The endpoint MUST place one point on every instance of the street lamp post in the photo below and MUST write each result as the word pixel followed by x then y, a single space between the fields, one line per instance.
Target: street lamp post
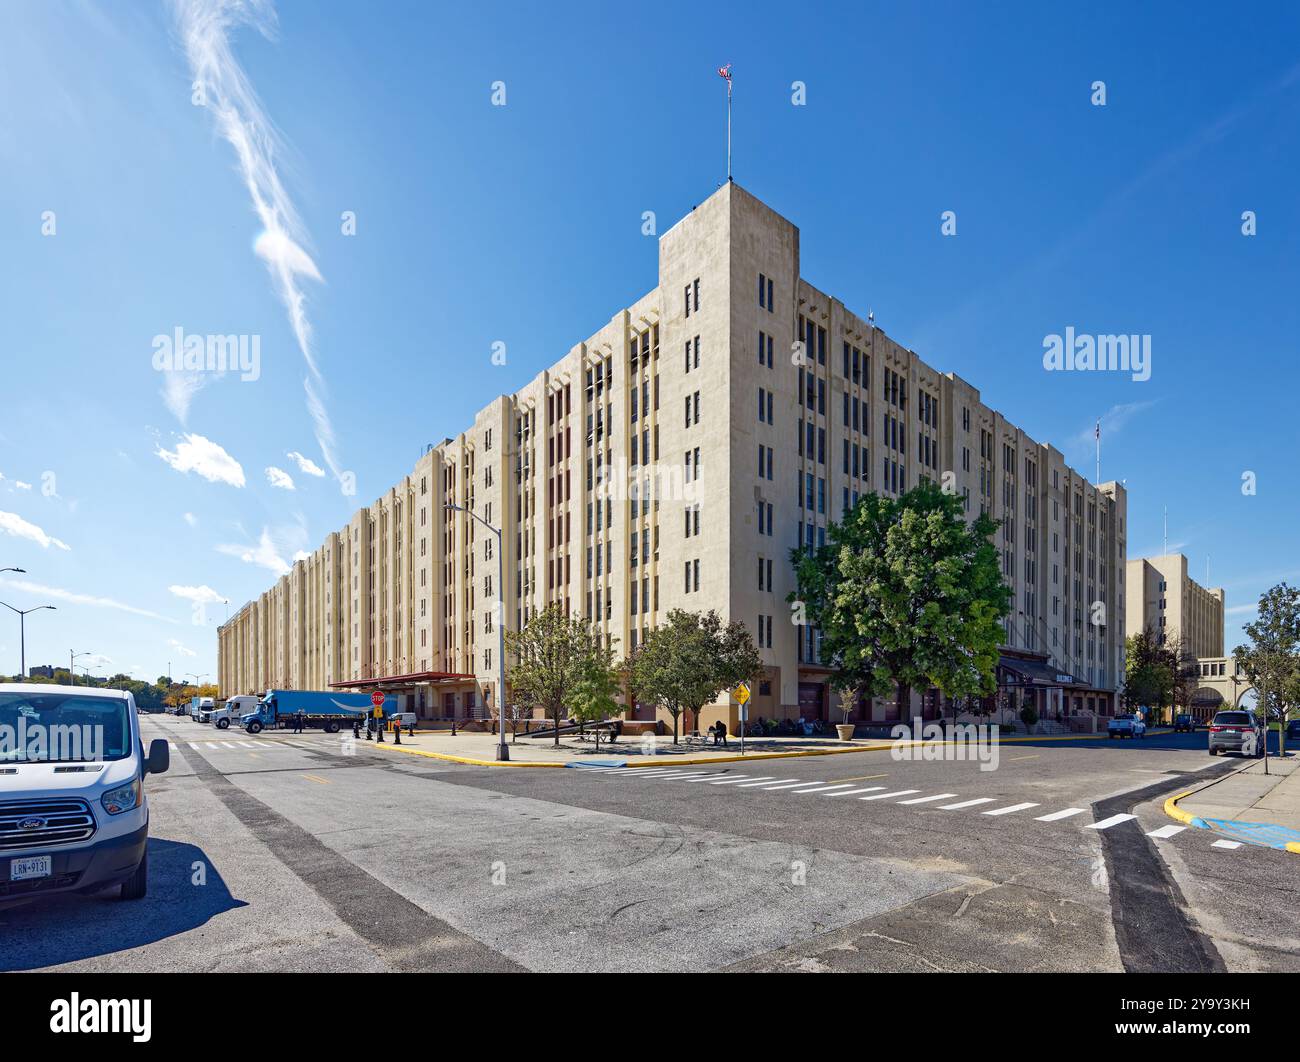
pixel 503 750
pixel 22 629
pixel 72 675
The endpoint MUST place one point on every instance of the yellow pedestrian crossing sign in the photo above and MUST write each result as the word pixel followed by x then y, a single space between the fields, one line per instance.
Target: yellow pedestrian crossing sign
pixel 741 693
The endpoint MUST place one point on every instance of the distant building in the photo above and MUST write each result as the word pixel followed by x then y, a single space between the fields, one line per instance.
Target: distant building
pixel 1165 600
pixel 41 671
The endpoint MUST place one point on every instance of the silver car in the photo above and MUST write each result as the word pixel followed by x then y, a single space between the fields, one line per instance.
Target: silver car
pixel 1237 731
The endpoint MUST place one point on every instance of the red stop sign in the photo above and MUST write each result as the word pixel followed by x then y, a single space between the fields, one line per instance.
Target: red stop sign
pixel 376 698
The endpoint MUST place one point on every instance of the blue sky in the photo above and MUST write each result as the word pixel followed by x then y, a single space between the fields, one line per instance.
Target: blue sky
pixel 522 224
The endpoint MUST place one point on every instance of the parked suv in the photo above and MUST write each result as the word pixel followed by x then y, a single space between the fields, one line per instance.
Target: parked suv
pixel 1184 722
pixel 73 811
pixel 1237 731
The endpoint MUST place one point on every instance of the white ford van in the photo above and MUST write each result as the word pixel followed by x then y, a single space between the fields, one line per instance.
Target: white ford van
pixel 73 812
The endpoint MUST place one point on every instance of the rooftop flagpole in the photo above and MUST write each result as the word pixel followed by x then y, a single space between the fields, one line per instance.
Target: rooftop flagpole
pixel 724 72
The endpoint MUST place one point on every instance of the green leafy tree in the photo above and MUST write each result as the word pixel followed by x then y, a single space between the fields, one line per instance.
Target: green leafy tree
pixel 595 697
pixel 1271 660
pixel 685 663
pixel 553 656
pixel 907 595
pixel 1150 669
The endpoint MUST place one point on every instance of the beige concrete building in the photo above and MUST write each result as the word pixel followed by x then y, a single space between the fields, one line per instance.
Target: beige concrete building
pixel 1165 600
pixel 650 468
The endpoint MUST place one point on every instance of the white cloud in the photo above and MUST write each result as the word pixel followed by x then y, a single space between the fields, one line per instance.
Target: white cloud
pixel 306 465
pixel 203 593
pixel 191 519
pixel 205 31
pixel 194 453
pixel 74 598
pixel 302 554
pixel 1112 423
pixel 13 524
pixel 21 485
pixel 265 554
pixel 184 650
pixel 179 389
pixel 278 477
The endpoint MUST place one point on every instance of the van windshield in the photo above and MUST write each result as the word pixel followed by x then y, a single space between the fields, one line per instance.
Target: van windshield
pixel 41 727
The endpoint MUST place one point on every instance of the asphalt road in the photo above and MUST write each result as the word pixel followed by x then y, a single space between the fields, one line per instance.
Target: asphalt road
pixel 284 852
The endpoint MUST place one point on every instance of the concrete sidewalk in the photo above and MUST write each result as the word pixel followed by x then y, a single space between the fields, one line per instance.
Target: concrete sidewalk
pixel 1249 805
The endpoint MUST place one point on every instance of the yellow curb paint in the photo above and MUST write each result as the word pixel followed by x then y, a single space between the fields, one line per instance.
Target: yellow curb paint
pixel 860 778
pixel 322 781
pixel 1174 811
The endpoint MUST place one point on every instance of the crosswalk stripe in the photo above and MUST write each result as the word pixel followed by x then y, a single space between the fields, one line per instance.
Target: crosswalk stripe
pixel 193 744
pixel 211 744
pixel 926 800
pixel 644 772
pixel 1226 844
pixel 1166 831
pixel 1057 815
pixel 886 796
pixel 689 774
pixel 966 804
pixel 227 744
pixel 1106 824
pixel 851 792
pixel 825 788
pixel 762 783
pixel 247 745
pixel 1009 809
pixel 782 785
pixel 709 777
pixel 743 778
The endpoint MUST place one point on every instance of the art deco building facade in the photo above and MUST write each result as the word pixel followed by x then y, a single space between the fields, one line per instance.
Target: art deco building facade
pixel 671 460
pixel 1165 600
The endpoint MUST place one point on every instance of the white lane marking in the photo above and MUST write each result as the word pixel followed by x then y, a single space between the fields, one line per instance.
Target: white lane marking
pixel 193 744
pixel 966 804
pixel 1166 831
pixel 227 744
pixel 211 744
pixel 886 796
pixel 644 772
pixel 825 788
pixel 926 800
pixel 1010 808
pixel 763 783
pixel 1226 844
pixel 710 777
pixel 692 774
pixel 868 789
pixel 1057 815
pixel 744 778
pixel 1106 824
pixel 782 785
pixel 247 745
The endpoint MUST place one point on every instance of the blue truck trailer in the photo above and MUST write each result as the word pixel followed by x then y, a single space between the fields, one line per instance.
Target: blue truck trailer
pixel 326 710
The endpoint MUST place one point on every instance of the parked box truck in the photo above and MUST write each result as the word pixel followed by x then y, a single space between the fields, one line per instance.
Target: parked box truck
pixel 326 710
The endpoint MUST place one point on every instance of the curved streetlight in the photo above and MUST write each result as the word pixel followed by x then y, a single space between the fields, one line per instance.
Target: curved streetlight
pixel 22 628
pixel 72 675
pixel 503 750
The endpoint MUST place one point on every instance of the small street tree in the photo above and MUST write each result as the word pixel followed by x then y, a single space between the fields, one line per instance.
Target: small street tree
pixel 595 697
pixel 553 656
pixel 1150 670
pixel 688 661
pixel 906 595
pixel 1271 660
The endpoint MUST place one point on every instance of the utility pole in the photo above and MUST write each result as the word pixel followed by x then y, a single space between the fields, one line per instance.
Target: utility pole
pixel 22 631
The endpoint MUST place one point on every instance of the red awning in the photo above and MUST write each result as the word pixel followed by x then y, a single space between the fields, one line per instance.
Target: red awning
pixel 413 679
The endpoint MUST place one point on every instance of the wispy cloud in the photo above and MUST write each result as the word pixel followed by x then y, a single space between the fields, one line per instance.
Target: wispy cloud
pixel 180 647
pixel 74 598
pixel 265 554
pixel 195 453
pixel 15 525
pixel 306 465
pixel 278 477
pixel 179 389
pixel 202 593
pixel 206 28
pixel 190 519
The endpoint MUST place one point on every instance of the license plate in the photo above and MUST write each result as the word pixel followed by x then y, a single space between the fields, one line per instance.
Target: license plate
pixel 31 867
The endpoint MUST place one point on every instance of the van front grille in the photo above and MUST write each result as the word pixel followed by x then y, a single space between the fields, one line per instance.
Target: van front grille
pixel 40 823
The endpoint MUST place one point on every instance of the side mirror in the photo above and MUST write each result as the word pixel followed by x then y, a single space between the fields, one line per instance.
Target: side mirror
pixel 159 758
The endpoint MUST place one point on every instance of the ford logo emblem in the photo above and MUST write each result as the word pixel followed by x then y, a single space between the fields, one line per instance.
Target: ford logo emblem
pixel 31 824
